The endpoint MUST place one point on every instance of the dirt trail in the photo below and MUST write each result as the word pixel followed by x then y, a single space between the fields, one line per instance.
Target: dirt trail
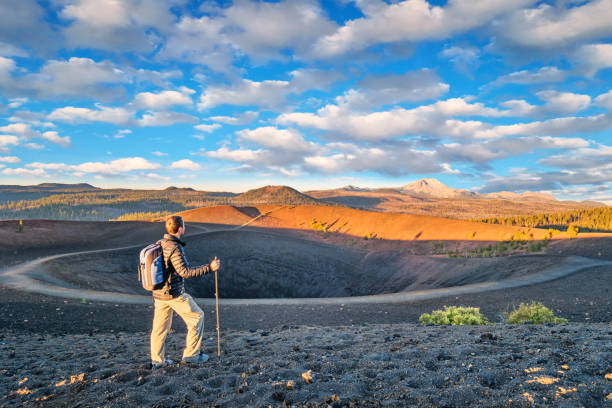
pixel 17 278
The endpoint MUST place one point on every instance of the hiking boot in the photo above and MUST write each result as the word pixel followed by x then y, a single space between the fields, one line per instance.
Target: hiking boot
pixel 200 358
pixel 155 364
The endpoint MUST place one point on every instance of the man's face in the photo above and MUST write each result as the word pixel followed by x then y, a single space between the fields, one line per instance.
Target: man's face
pixel 181 231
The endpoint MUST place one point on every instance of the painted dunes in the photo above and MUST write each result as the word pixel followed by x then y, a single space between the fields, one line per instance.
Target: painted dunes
pixel 358 223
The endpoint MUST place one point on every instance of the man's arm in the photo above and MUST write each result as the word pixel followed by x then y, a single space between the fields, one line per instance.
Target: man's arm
pixel 181 266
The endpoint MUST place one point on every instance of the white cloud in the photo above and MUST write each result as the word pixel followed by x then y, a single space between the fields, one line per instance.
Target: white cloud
pixel 268 93
pixel 25 132
pixel 159 154
pixel 34 146
pixel 117 25
pixel 155 176
pixel 526 77
pixel 53 137
pixel 592 58
pixel 556 126
pixel 426 119
pixel 114 167
pixel 377 90
pixel 239 120
pixel 585 158
pixel 263 29
pixel 24 172
pixel 208 128
pixel 200 41
pixel 24 23
pixel 79 78
pixel 165 119
pixel 605 100
pixel 274 138
pixel 395 159
pixel 239 155
pixel 186 164
pixel 245 92
pixel 17 102
pixel 71 114
pixel 21 129
pixel 122 133
pixel 10 159
pixel 162 100
pixel 464 58
pixel 556 103
pixel 118 116
pixel 8 50
pixel 556 26
pixel 411 20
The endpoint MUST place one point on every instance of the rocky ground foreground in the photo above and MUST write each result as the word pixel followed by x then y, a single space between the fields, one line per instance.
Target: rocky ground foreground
pixel 567 365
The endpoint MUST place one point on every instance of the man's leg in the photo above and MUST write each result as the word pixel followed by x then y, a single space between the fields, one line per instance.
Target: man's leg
pixel 162 321
pixel 193 316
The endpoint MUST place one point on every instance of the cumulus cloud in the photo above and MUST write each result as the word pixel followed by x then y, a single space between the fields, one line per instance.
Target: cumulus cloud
pixel 23 132
pixel 207 128
pixel 423 120
pixel 268 93
pixel 262 29
pixel 238 155
pixel 24 172
pixel 8 140
pixel 163 100
pixel 243 118
pixel 186 164
pixel 10 159
pixel 396 159
pixel 556 26
pixel 120 116
pixel 199 40
pixel 165 119
pixel 117 25
pixel 54 137
pixel 605 100
pixel 592 58
pixel 555 103
pixel 526 77
pixel 487 151
pixel 464 58
pixel 272 137
pixel 77 78
pixel 23 23
pixel 377 90
pixel 590 158
pixel 411 20
pixel 71 114
pixel 114 167
pixel 556 126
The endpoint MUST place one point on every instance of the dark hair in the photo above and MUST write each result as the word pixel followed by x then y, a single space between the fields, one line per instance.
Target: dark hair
pixel 173 223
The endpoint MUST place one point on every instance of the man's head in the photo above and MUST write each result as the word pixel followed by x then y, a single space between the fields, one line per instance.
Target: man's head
pixel 175 225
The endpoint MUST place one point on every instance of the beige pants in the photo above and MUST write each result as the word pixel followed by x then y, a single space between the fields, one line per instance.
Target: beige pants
pixel 193 316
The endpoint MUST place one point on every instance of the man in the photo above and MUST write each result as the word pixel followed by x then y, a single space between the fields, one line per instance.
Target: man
pixel 172 298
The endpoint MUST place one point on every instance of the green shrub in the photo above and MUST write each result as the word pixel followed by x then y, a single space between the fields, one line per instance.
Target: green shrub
pixel 455 315
pixel 534 313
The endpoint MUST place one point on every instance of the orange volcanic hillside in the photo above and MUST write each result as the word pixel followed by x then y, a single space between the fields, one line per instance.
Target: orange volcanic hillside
pixel 359 223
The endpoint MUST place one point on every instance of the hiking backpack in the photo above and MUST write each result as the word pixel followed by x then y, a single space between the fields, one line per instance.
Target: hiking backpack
pixel 151 268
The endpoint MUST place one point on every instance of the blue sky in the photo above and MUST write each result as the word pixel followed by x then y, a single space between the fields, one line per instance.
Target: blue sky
pixel 231 95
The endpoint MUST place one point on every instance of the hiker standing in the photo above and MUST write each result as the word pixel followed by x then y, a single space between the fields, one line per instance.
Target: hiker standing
pixel 172 298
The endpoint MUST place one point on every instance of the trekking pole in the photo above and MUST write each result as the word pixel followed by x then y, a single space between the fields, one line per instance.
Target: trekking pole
pixel 217 307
